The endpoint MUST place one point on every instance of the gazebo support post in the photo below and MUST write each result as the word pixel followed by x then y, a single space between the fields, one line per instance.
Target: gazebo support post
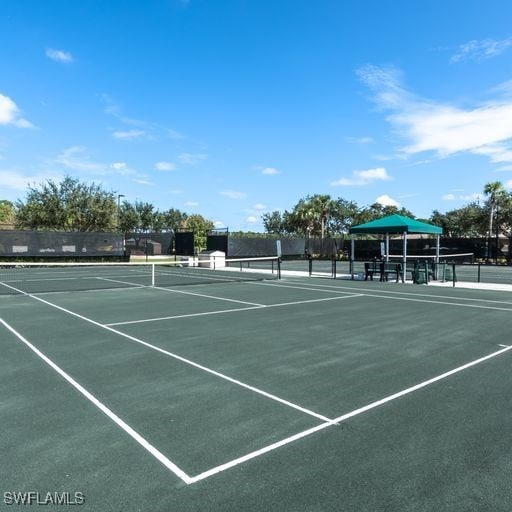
pixel 404 262
pixel 387 247
pixel 352 252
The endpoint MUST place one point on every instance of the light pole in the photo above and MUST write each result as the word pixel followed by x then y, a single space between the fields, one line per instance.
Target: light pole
pixel 497 232
pixel 119 211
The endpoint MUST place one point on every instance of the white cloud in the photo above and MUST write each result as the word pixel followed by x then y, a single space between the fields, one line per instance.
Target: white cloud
pixel 191 203
pixel 359 140
pixel 59 55
pixel 462 197
pixel 259 207
pixel 443 129
pixel 142 181
pixel 233 194
pixel 128 135
pixel 508 184
pixel 174 135
pixel 165 166
pixel 218 224
pixel 192 159
pixel 119 166
pixel 122 168
pixel 252 219
pixel 76 158
pixel 364 177
pixel 15 180
pixel 385 200
pixel 479 50
pixel 269 171
pixel 10 113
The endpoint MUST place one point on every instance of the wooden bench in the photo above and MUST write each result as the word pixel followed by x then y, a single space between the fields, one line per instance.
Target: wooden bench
pixel 384 270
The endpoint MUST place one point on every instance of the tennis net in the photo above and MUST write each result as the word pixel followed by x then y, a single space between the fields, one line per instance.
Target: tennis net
pixel 459 258
pixel 19 278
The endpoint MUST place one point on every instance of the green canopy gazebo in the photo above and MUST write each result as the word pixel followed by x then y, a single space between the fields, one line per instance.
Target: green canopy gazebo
pixel 396 224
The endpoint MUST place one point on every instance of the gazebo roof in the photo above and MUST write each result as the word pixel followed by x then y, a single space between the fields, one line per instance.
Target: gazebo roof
pixel 396 224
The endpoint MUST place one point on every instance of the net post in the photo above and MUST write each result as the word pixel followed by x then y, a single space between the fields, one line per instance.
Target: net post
pixel 152 274
pixel 310 264
pixel 278 268
pixel 453 275
pixel 479 264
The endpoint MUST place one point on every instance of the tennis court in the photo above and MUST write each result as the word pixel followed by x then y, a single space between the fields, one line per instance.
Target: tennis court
pixel 241 393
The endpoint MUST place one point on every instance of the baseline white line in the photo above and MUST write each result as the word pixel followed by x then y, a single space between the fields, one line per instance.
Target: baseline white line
pixel 103 408
pixel 444 303
pixel 207 313
pixel 408 298
pixel 342 418
pixel 257 453
pixel 179 358
pixel 341 288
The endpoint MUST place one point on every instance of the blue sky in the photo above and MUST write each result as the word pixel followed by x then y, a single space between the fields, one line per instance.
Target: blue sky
pixel 232 108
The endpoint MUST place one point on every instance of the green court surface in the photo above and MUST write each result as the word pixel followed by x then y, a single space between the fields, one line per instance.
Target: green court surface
pixel 288 395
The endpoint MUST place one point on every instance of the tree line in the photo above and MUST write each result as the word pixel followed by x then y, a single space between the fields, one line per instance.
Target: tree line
pixel 71 205
pixel 320 215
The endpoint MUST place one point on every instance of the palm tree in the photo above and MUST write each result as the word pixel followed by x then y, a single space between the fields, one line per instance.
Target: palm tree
pixel 495 192
pixel 322 205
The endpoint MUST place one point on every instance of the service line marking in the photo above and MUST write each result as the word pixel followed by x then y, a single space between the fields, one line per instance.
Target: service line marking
pixel 223 311
pixel 171 290
pixel 178 357
pixel 327 422
pixel 344 417
pixel 103 408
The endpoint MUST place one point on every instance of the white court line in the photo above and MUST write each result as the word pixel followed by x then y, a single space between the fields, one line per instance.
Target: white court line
pixel 328 422
pixel 223 311
pixel 132 285
pixel 408 298
pixel 319 286
pixel 179 358
pixel 445 303
pixel 103 408
pixel 343 417
pixel 172 290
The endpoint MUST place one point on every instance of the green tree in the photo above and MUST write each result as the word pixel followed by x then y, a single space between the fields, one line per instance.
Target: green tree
pixel 274 223
pixel 310 215
pixel 505 221
pixel 468 221
pixel 67 206
pixel 128 218
pixel 496 194
pixel 342 215
pixel 200 226
pixel 145 215
pixel 173 219
pixel 6 213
